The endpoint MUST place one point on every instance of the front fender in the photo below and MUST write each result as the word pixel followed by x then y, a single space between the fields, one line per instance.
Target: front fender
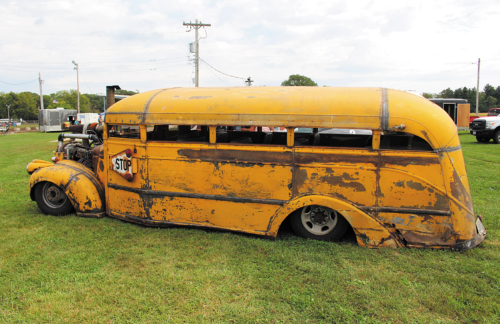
pixel 79 183
pixel 369 231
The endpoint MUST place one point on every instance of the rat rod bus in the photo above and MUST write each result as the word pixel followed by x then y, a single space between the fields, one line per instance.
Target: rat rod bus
pixel 386 163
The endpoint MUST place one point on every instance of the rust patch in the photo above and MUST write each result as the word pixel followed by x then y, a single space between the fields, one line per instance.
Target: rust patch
pixel 415 185
pixel 441 202
pixel 362 236
pixel 238 156
pixel 101 166
pixel 199 97
pixel 88 203
pixel 428 219
pixel 426 136
pixel 307 158
pixel 344 181
pixel 299 178
pixel 405 161
pixel 458 191
pixel 429 238
pixel 400 184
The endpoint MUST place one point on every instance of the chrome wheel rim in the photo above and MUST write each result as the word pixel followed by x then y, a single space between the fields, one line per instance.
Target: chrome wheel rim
pixel 53 196
pixel 318 220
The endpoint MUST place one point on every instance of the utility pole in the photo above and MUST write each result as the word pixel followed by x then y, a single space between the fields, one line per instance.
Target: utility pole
pixel 8 112
pixel 197 25
pixel 77 85
pixel 41 95
pixel 477 89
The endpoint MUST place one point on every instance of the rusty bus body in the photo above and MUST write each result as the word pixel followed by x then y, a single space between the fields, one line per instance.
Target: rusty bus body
pixel 181 156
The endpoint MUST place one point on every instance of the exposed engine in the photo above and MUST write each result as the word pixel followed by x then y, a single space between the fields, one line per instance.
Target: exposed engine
pixel 82 146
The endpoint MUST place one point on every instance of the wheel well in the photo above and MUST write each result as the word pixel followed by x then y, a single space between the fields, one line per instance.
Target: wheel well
pixel 32 191
pixel 286 221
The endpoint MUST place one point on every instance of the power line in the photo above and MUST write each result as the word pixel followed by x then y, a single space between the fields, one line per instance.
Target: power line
pixel 95 50
pixel 232 76
pixel 223 81
pixel 124 62
pixel 19 83
pixel 85 81
pixel 86 35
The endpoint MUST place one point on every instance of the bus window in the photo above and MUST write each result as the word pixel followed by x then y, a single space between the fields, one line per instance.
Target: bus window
pixel 178 133
pixel 260 135
pixel 356 138
pixel 403 141
pixel 124 131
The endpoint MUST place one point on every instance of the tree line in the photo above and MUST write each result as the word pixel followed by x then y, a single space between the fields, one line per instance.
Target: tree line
pixel 488 98
pixel 25 105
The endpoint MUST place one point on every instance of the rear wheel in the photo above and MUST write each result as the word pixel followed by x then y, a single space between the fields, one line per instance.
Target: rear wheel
pixel 496 137
pixel 319 223
pixel 482 139
pixel 52 200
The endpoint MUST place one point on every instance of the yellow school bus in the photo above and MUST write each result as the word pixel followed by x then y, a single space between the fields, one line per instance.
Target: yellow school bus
pixel 384 163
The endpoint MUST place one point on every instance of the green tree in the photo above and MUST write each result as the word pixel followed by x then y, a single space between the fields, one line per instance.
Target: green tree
pixel 96 103
pixel 70 97
pixel 27 105
pixel 3 108
pixel 299 80
pixel 429 95
pixel 126 92
pixel 22 105
pixel 447 93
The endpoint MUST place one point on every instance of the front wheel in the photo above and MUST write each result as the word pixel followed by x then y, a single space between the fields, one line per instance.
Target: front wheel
pixel 52 200
pixel 496 137
pixel 319 223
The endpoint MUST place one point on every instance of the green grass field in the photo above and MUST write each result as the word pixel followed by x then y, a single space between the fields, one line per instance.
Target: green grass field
pixel 79 270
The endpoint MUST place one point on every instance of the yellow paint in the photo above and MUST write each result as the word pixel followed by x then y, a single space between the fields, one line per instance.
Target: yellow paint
pixel 391 198
pixel 37 164
pixel 78 182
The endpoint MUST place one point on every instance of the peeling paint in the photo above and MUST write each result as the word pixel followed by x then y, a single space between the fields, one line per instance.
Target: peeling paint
pixel 199 97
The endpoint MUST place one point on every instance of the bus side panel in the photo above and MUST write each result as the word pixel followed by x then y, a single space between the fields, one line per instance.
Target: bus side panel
pixel 354 185
pixel 346 174
pixel 413 182
pixel 207 170
pixel 228 186
pixel 246 217
pixel 458 186
pixel 126 201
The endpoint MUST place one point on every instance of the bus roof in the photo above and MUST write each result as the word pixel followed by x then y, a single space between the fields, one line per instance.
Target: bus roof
pixel 324 107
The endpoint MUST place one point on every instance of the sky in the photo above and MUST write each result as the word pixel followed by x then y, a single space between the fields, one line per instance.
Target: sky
pixel 423 46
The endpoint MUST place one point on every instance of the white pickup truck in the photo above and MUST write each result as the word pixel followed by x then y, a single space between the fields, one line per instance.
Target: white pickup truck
pixel 486 128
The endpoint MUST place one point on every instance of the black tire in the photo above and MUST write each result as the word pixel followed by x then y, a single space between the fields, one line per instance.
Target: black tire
pixel 482 139
pixel 319 223
pixel 496 137
pixel 52 200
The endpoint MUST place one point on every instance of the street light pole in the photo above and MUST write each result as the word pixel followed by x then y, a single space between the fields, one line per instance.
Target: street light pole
pixel 77 85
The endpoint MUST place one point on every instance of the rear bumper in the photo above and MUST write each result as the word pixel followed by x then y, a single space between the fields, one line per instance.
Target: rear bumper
pixel 475 241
